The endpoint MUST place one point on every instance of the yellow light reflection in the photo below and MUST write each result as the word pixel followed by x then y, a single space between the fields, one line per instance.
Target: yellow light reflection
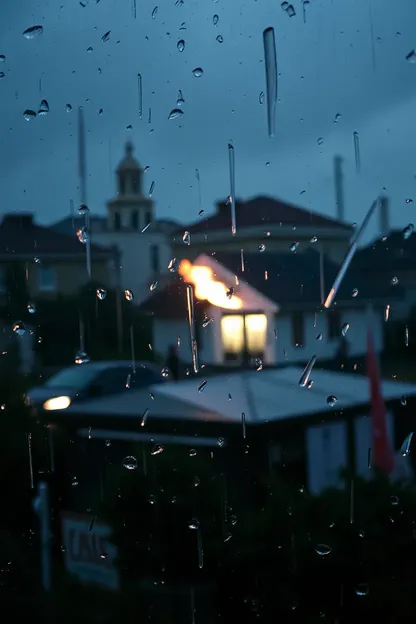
pixel 57 403
pixel 232 333
pixel 207 288
pixel 256 332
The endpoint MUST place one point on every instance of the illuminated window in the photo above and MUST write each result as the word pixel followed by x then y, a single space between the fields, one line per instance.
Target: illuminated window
pixel 232 332
pixel 256 330
pixel 243 331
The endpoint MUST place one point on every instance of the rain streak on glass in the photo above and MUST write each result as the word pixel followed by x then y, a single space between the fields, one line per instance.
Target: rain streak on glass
pixel 405 447
pixel 304 378
pixel 140 95
pixel 357 152
pixel 192 329
pixel 231 164
pixel 271 78
pixel 345 328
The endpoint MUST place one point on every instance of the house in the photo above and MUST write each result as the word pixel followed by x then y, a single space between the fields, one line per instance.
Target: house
pixel 53 263
pixel 264 222
pixel 392 258
pixel 287 429
pixel 273 311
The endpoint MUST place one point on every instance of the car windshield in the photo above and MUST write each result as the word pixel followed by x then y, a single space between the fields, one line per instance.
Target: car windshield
pixel 73 377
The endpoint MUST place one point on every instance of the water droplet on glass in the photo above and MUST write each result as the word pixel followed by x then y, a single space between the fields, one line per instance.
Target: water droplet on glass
pixel 152 499
pixel 409 201
pixel 294 246
pixel 186 238
pixel 173 265
pixel 130 462
pixel 153 286
pixel 408 231
pixel 354 292
pixel 194 524
pixel 83 209
pixel 90 49
pixel 154 12
pixel 106 36
pixel 152 188
pixel 81 358
pixel 43 108
pixel 320 141
pixel 101 293
pixel 202 385
pixel 157 449
pixel 221 442
pixel 192 453
pixel 345 328
pixel 68 108
pixel 258 363
pixel 128 294
pixel 31 308
pixel 394 500
pixel 19 328
pixel 331 400
pixel 394 281
pixel 405 447
pixel 411 57
pixel 180 99
pixel 74 481
pixel 197 481
pixel 32 32
pixel 181 45
pixel 215 20
pixel 82 235
pixel 2 58
pixel 165 372
pixel 362 589
pixel 2 74
pixel 176 113
pixel 207 321
pixel 314 239
pixel 337 118
pixel 290 10
pixel 198 72
pixel 319 336
pixel 107 442
pixel 269 45
pixel 323 550
pixel 29 114
pixel 262 247
pixel 219 38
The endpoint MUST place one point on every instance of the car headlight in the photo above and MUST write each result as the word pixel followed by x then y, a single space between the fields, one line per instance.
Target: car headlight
pixel 57 403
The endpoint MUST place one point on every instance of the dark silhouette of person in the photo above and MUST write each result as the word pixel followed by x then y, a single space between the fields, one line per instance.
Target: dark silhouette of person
pixel 172 362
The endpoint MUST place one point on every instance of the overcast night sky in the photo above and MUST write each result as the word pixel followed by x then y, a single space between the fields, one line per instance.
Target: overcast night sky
pixel 348 60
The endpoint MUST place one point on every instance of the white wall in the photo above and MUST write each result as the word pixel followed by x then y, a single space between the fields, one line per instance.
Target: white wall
pixel 135 249
pixel 279 350
pixel 326 348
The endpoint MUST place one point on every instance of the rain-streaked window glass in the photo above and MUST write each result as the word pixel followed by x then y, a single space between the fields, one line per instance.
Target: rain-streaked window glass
pixel 256 333
pixel 298 328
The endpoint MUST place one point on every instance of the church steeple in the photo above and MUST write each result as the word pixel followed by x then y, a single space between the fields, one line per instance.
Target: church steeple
pixel 129 174
pixel 130 210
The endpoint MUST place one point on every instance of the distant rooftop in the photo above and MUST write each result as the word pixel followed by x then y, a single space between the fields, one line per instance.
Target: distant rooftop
pixel 264 211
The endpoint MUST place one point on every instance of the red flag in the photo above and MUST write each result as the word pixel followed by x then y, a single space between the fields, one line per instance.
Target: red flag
pixel 382 453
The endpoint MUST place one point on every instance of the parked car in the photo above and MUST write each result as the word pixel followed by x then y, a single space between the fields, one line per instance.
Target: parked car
pixel 91 380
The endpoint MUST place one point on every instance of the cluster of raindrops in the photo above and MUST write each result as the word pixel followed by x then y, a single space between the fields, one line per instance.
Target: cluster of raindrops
pixel 43 110
pixel 288 8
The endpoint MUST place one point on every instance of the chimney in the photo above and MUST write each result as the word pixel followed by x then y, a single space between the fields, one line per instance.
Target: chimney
pixel 339 188
pixel 384 216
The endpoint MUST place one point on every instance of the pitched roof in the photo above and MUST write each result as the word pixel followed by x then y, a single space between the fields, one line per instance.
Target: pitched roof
pixel 169 301
pixel 20 236
pixel 294 278
pixel 387 254
pixel 69 225
pixel 265 211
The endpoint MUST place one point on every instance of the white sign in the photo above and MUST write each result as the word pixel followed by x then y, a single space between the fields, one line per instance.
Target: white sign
pixel 89 555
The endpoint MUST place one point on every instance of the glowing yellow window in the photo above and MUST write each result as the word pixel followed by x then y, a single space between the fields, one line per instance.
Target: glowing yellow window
pixel 256 332
pixel 232 333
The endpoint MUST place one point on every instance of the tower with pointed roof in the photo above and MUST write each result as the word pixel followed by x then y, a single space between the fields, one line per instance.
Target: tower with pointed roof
pixel 130 210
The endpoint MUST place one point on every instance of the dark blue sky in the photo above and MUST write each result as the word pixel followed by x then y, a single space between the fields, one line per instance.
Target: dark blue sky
pixel 348 60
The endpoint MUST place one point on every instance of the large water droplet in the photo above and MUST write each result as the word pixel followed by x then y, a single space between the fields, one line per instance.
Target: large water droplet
pixel 130 462
pixel 354 292
pixel 186 238
pixel 219 38
pixel 128 294
pixel 394 281
pixel 31 308
pixel 43 108
pixel 81 358
pixel 408 231
pixel 83 209
pixel 154 12
pixel 68 108
pixel 176 113
pixel 198 72
pixel 215 19
pixel 32 32
pixel 362 589
pixel 173 265
pixel 323 550
pixel 411 57
pixel 181 45
pixel 165 372
pixel 294 246
pixel 101 293
pixel 106 36
pixel 194 524
pixel 19 328
pixel 180 99
pixel 345 328
pixel 83 235
pixel 331 400
pixel 29 114
pixel 2 58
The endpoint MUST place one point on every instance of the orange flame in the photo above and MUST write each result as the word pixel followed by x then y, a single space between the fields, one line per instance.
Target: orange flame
pixel 206 287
